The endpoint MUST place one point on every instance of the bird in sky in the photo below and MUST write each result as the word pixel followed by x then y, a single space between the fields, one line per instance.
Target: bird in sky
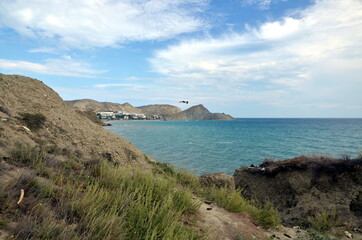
pixel 187 102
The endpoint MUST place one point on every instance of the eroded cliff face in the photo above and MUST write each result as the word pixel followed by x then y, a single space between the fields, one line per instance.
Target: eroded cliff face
pixel 304 186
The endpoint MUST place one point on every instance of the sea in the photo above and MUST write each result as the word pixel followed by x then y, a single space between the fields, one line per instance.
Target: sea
pixel 222 146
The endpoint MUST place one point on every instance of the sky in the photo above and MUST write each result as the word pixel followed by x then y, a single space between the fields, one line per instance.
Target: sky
pixel 247 58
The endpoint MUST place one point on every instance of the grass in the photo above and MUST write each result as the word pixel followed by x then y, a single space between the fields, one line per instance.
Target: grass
pixel 323 221
pixel 96 200
pixel 232 200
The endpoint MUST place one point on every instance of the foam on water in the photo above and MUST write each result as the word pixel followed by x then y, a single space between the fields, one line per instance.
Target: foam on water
pixel 223 146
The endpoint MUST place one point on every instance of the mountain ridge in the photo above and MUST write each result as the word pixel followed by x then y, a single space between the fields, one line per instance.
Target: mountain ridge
pixel 95 106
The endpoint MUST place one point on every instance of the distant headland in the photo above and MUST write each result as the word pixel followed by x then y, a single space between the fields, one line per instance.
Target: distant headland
pixel 109 111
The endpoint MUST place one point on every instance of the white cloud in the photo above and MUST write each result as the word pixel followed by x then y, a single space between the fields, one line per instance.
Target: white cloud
pixel 100 23
pixel 60 67
pixel 314 56
pixel 42 50
pixel 262 4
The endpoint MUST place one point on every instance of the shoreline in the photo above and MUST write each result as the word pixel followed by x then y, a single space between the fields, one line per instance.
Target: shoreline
pixel 130 120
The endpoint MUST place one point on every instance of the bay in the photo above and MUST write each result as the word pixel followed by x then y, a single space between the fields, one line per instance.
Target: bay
pixel 222 146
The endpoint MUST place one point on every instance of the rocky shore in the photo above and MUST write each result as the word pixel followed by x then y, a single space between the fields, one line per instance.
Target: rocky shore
pixel 303 188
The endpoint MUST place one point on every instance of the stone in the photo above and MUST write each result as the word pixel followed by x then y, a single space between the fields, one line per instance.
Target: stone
pixel 218 180
pixel 349 235
pixel 26 129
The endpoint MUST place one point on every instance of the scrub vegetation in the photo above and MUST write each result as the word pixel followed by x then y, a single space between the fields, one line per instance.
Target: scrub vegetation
pixel 66 198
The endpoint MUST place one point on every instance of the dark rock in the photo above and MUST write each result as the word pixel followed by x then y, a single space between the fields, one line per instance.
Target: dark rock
pixel 304 186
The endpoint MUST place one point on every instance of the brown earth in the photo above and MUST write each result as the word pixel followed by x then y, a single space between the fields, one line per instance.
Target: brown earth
pixel 304 186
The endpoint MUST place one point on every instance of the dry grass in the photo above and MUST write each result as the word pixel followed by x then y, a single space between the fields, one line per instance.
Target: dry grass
pixel 95 200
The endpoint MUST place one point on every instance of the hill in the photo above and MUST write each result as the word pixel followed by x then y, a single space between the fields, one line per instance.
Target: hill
pixel 164 110
pixel 199 112
pixel 95 106
pixel 64 127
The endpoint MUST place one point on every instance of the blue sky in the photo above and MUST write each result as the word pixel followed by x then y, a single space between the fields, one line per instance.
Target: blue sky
pixel 248 58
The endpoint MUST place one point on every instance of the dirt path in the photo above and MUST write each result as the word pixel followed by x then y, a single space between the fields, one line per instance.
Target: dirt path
pixel 224 225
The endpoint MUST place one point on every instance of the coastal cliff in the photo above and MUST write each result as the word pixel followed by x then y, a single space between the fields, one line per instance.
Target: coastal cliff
pixel 307 187
pixel 199 112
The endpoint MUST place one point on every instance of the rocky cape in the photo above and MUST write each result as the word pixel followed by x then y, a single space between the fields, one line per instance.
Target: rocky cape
pixel 199 112
pixel 170 112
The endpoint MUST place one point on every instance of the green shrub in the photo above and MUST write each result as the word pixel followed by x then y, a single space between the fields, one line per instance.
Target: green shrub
pixel 317 236
pixel 187 179
pixel 266 214
pixel 323 221
pixel 33 121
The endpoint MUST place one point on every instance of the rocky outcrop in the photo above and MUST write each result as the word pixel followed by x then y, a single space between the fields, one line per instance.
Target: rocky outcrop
pixel 304 186
pixel 92 105
pixel 199 112
pixel 63 127
pixel 163 110
pixel 218 180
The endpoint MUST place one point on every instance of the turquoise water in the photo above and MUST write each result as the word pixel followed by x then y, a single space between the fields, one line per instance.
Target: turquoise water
pixel 223 146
